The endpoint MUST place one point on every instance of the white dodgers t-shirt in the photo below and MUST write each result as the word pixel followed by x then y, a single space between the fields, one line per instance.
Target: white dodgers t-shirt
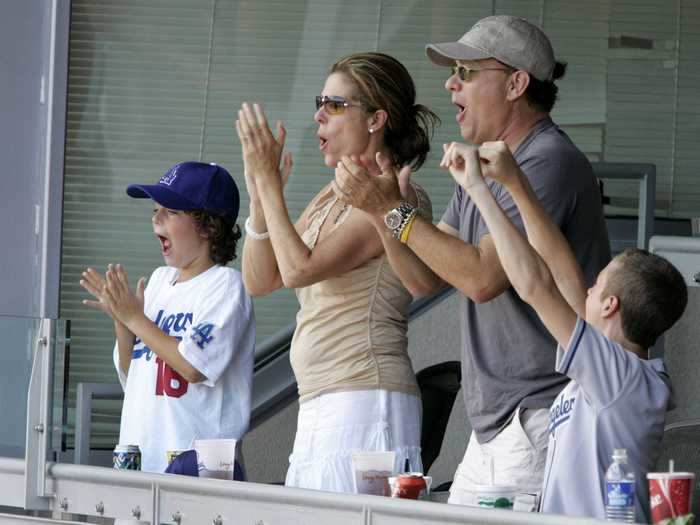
pixel 615 400
pixel 212 316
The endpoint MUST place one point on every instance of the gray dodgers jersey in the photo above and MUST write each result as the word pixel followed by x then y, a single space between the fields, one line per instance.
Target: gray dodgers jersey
pixel 508 355
pixel 615 400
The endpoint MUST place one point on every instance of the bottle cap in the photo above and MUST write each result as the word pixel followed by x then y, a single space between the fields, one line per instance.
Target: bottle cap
pixel 619 453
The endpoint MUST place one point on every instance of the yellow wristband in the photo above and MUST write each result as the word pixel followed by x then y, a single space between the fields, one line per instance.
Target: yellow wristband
pixel 407 229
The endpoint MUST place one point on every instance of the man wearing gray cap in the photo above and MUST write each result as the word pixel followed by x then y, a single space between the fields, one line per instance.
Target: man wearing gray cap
pixel 502 83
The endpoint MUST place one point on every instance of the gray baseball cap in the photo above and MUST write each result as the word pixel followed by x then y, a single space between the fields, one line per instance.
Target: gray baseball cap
pixel 509 39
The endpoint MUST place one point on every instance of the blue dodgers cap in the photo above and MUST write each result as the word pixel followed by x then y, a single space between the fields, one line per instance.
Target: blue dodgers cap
pixel 187 464
pixel 193 186
pixel 184 463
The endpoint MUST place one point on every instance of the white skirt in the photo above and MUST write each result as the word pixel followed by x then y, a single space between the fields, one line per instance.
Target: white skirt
pixel 331 427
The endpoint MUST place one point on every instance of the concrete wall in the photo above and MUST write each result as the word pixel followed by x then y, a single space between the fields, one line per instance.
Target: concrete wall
pixel 434 337
pixel 682 357
pixel 266 449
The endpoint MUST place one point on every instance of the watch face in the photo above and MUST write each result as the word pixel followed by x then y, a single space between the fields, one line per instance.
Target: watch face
pixel 393 219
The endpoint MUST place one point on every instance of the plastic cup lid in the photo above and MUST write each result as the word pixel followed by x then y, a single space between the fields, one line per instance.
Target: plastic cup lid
pixel 496 489
pixel 666 475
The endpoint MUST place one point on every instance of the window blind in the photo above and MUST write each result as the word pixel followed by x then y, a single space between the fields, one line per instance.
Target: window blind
pixel 155 82
pixel 137 72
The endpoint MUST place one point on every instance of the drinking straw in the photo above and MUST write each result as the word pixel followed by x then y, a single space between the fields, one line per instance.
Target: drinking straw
pixel 493 482
pixel 663 483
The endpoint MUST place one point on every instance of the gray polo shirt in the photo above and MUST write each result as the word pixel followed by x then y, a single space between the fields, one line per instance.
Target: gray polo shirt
pixel 508 355
pixel 615 400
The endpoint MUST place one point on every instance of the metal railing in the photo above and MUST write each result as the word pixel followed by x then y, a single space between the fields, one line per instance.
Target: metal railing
pixel 86 393
pixel 683 252
pixel 646 175
pixel 39 424
pixel 183 500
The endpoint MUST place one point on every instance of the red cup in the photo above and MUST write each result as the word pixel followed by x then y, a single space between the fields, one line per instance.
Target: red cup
pixel 670 494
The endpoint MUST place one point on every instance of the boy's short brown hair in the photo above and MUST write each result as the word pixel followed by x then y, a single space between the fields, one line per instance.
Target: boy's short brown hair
pixel 652 294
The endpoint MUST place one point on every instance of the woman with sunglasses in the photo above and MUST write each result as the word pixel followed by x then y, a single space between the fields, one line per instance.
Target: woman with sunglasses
pixel 357 388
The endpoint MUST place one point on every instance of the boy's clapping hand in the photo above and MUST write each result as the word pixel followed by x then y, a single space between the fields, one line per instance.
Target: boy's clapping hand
pixel 124 304
pixel 94 282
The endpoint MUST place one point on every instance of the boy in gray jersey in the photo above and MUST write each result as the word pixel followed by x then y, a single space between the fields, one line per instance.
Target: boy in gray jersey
pixel 618 398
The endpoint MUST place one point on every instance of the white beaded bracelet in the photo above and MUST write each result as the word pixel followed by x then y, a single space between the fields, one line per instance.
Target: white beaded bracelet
pixel 253 234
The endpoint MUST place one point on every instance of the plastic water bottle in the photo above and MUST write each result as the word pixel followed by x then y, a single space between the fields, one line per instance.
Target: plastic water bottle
pixel 619 489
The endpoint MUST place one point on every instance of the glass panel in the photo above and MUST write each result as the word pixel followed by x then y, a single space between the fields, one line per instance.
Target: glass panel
pixel 16 355
pixel 20 336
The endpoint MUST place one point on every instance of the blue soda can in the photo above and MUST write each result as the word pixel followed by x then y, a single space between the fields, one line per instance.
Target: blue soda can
pixel 127 457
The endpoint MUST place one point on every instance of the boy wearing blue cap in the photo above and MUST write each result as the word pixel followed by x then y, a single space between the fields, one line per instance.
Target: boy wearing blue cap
pixel 185 342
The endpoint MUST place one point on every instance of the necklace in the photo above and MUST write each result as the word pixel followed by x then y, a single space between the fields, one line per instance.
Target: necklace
pixel 344 206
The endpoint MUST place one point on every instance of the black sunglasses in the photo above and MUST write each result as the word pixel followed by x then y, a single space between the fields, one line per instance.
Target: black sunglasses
pixel 334 105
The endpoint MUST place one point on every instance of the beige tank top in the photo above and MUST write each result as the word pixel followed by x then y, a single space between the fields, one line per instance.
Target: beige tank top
pixel 351 329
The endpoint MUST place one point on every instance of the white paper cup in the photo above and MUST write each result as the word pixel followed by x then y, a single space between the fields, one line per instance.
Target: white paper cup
pixel 216 458
pixel 525 502
pixel 372 471
pixel 495 496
